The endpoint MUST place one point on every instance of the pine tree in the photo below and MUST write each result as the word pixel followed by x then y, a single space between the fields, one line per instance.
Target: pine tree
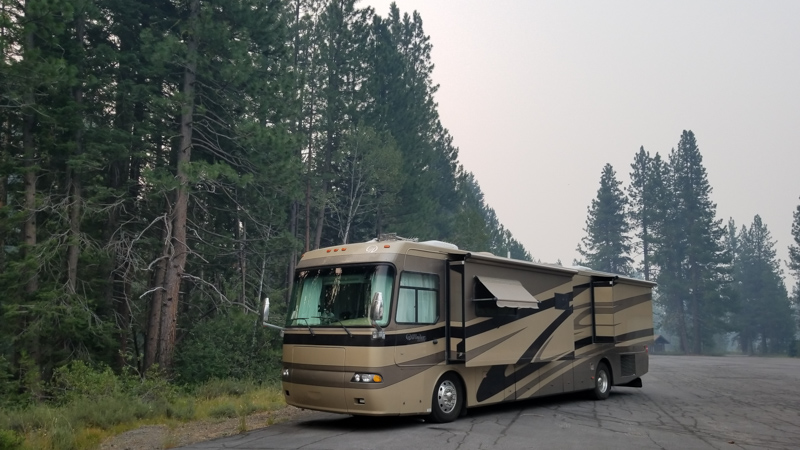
pixel 764 319
pixel 668 257
pixel 401 102
pixel 229 96
pixel 342 34
pixel 794 261
pixel 368 181
pixel 607 245
pixel 691 257
pixel 50 137
pixel 646 193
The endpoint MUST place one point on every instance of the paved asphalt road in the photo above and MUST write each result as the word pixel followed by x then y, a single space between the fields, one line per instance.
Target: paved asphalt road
pixel 686 403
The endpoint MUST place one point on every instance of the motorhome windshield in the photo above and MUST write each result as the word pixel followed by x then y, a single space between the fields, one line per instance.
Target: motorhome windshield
pixel 339 296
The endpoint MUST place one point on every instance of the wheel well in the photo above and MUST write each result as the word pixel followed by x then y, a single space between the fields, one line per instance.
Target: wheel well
pixel 610 370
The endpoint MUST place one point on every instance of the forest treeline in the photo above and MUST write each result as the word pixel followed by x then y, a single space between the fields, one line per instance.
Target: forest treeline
pixel 165 163
pixel 715 280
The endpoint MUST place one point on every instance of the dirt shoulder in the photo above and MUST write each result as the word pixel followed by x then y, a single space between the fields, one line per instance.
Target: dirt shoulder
pixel 157 437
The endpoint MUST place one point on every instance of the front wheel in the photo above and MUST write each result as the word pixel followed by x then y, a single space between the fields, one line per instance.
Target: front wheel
pixel 448 399
pixel 602 382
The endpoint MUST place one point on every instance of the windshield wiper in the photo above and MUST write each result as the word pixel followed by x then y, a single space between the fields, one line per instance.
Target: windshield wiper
pixel 309 326
pixel 345 328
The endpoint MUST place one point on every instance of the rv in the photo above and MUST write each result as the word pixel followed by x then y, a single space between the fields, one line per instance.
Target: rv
pixel 397 327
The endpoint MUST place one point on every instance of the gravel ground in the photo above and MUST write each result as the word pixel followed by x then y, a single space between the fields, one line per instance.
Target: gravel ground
pixel 157 437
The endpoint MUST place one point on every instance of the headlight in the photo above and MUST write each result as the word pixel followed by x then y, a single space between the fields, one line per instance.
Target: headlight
pixel 285 373
pixel 366 378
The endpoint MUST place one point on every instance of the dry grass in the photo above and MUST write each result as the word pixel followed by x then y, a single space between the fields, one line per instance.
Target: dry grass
pixel 87 423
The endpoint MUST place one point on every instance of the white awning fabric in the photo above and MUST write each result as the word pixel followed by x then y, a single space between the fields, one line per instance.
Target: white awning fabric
pixel 507 293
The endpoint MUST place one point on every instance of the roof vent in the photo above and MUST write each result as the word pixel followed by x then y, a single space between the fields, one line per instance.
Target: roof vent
pixel 394 237
pixel 441 244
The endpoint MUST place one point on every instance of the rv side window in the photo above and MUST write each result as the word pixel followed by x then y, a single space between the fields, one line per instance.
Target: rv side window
pixel 490 309
pixel 486 304
pixel 417 301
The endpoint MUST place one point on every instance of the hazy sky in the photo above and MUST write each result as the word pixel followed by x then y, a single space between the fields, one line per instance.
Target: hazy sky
pixel 540 95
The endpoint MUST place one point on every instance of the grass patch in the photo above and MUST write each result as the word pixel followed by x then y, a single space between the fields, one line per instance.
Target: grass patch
pixel 10 440
pixel 225 388
pixel 82 422
pixel 223 411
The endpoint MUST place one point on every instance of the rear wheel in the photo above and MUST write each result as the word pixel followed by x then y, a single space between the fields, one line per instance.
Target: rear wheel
pixel 448 399
pixel 602 382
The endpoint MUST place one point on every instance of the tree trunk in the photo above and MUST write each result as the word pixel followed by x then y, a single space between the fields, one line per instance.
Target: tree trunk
pixel 697 344
pixel 292 254
pixel 154 310
pixel 73 250
pixel 126 169
pixel 179 249
pixel 4 191
pixel 307 244
pixel 696 322
pixel 682 324
pixel 123 315
pixel 29 228
pixel 645 251
pixel 379 222
pixel 324 199
pixel 74 186
pixel 243 262
pixel 321 216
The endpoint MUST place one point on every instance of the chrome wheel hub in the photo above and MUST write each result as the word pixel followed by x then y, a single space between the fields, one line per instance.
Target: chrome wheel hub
pixel 602 381
pixel 447 396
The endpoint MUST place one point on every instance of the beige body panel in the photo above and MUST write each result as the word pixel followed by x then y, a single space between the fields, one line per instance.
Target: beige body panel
pixel 604 311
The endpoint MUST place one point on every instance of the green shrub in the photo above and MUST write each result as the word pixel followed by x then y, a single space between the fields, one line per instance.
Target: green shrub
pixel 9 388
pixel 225 410
pixel 10 440
pixel 31 418
pixel 228 346
pixel 221 387
pixel 62 436
pixel 105 412
pixel 183 410
pixel 154 386
pixel 77 380
pixel 248 408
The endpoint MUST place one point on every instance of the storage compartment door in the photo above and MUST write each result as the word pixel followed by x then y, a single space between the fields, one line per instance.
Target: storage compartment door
pixel 603 308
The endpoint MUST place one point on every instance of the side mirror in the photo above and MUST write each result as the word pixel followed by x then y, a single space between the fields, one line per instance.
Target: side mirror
pixel 376 307
pixel 376 314
pixel 266 316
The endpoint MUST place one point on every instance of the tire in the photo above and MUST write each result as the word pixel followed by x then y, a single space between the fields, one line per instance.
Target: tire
pixel 602 382
pixel 448 399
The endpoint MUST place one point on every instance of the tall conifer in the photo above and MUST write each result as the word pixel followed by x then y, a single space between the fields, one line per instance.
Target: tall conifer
pixel 646 193
pixel 692 251
pixel 607 246
pixel 764 320
pixel 794 261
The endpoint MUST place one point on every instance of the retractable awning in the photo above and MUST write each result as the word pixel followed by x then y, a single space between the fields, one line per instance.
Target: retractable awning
pixel 507 293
